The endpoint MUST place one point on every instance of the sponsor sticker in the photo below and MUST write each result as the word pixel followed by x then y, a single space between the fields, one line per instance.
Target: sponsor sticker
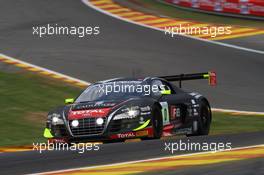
pixel 126 135
pixel 165 112
pixel 175 112
pixel 88 113
pixel 142 133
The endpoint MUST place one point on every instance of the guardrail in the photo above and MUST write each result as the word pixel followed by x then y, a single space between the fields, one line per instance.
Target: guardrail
pixel 242 8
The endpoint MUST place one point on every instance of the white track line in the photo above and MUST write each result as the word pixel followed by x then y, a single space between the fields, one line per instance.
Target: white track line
pixel 200 39
pixel 88 83
pixel 237 111
pixel 146 160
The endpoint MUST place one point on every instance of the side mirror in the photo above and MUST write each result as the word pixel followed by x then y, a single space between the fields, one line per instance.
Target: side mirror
pixel 166 92
pixel 69 101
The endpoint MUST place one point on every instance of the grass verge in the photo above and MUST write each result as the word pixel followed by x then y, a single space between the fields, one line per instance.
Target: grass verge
pixel 171 11
pixel 26 98
pixel 224 123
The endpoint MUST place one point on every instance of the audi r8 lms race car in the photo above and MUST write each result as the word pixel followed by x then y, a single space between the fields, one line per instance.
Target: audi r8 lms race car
pixel 123 108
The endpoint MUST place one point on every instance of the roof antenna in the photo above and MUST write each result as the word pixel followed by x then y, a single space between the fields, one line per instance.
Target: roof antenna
pixel 180 82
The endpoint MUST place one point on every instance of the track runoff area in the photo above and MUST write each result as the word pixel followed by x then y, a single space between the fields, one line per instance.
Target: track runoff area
pixel 166 164
pixel 206 32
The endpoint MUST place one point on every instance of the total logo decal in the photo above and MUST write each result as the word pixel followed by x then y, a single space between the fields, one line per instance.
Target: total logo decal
pixel 89 113
pixel 126 135
pixel 132 134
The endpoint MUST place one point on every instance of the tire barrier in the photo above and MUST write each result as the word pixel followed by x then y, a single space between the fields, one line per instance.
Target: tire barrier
pixel 241 8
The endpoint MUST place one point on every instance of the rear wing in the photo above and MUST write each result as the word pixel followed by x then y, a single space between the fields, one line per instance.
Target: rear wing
pixel 211 76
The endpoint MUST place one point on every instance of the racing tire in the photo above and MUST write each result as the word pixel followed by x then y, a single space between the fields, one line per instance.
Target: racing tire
pixel 157 124
pixel 204 121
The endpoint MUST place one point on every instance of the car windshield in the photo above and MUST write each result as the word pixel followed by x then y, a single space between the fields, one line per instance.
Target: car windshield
pixel 114 91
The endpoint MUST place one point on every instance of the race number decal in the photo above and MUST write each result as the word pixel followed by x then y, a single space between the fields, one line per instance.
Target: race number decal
pixel 165 112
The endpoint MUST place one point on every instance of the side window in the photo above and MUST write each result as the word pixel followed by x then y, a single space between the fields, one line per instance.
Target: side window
pixel 168 87
pixel 156 87
pixel 159 86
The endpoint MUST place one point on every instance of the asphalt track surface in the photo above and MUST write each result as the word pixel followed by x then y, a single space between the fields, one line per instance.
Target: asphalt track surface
pixel 122 49
pixel 244 167
pixel 256 42
pixel 34 162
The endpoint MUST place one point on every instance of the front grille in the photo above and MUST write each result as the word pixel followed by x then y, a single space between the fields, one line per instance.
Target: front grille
pixel 87 127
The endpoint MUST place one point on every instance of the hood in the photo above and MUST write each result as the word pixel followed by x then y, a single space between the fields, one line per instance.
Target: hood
pixel 92 109
pixel 94 105
pixel 98 108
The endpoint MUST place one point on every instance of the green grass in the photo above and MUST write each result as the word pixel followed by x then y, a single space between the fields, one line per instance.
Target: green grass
pixel 224 123
pixel 175 12
pixel 26 98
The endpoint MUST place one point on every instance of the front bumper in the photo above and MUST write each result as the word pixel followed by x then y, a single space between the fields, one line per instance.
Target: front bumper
pixel 115 129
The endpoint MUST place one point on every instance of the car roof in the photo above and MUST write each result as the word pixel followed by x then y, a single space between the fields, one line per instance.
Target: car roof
pixel 126 79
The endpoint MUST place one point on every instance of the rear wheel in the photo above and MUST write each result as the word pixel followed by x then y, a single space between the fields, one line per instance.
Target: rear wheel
pixel 157 124
pixel 204 120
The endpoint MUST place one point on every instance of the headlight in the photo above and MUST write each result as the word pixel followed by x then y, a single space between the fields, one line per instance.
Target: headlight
pixel 130 114
pixel 75 123
pixel 99 121
pixel 133 113
pixel 55 119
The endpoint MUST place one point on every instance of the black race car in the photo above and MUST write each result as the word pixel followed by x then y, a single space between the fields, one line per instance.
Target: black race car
pixel 123 108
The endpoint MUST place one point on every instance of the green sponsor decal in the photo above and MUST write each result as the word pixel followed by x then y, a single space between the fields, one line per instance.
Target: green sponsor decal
pixel 69 101
pixel 47 133
pixel 144 125
pixel 166 92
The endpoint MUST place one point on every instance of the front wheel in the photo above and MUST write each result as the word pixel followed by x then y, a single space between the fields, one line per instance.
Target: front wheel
pixel 157 124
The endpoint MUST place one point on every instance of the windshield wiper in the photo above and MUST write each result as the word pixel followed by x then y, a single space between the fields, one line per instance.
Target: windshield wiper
pixel 84 101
